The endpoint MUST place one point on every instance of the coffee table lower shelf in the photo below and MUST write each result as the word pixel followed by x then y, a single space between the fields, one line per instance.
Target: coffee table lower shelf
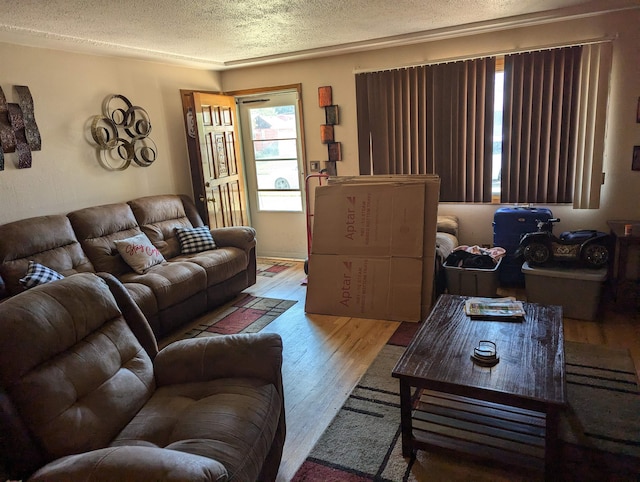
pixel 480 429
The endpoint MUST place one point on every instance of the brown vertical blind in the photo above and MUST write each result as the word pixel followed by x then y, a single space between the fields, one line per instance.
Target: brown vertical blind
pixel 595 72
pixel 435 119
pixel 541 105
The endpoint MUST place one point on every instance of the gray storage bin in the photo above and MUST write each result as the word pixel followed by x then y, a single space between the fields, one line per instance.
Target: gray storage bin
pixel 472 281
pixel 576 290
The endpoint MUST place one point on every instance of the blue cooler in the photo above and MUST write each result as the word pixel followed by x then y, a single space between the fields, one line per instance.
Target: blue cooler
pixel 509 224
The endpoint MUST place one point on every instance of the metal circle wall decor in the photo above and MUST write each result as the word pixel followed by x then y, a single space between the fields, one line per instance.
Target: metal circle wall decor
pixel 122 134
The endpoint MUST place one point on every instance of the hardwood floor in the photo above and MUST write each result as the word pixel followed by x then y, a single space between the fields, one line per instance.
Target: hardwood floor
pixel 325 356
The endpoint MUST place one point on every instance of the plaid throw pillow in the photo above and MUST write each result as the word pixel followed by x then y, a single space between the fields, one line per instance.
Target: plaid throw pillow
pixel 194 240
pixel 38 274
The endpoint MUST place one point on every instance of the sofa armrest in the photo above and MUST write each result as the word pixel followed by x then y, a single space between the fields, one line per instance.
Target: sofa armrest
pixel 132 463
pixel 256 355
pixel 243 237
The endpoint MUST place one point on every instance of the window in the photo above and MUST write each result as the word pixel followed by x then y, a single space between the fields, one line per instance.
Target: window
pixel 275 144
pixel 532 131
pixel 496 155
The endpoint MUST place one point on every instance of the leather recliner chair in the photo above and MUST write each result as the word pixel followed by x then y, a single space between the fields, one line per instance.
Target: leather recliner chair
pixel 85 393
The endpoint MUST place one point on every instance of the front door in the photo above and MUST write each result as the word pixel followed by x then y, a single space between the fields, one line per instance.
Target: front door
pixel 214 156
pixel 273 159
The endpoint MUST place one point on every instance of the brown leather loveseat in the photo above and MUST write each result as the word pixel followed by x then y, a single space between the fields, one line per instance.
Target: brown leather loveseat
pixel 170 293
pixel 86 395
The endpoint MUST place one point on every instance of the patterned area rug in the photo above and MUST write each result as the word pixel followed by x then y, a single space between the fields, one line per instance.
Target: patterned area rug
pixel 363 443
pixel 271 267
pixel 245 314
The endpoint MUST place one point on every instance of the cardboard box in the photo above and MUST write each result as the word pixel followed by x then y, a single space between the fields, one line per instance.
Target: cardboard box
pixel 429 223
pixel 385 288
pixel 377 222
pixel 358 219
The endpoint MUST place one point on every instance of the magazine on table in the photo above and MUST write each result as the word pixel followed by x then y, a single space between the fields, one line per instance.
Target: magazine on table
pixel 495 308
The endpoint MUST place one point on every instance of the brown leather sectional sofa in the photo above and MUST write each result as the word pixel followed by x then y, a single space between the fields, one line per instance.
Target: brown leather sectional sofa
pixel 169 294
pixel 85 394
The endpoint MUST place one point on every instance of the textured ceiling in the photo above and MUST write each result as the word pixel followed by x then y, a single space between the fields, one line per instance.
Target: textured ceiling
pixel 227 33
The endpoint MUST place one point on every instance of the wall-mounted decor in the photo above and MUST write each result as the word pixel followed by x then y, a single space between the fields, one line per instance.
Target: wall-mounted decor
pixel 122 134
pixel 635 162
pixel 324 96
pixel 18 129
pixel 638 111
pixel 331 114
pixel 335 151
pixel 326 133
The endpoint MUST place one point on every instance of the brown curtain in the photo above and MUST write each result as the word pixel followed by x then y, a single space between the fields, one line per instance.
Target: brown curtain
pixel 541 104
pixel 435 119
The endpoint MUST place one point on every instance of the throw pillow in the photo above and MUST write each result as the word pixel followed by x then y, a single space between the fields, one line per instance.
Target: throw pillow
pixel 194 240
pixel 139 253
pixel 448 224
pixel 38 274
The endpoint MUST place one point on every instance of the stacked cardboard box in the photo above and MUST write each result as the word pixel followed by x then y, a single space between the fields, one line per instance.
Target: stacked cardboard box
pixel 373 247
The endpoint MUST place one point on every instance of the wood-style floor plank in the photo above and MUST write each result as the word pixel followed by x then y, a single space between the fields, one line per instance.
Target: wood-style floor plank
pixel 325 356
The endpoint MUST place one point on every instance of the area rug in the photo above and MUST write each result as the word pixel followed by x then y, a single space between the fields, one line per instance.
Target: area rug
pixel 363 442
pixel 245 314
pixel 271 267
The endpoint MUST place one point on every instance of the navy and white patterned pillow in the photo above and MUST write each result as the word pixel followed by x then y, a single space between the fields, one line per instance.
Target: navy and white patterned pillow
pixel 194 240
pixel 38 274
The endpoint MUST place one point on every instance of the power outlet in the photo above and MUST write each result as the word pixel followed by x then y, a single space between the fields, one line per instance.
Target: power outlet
pixel 314 166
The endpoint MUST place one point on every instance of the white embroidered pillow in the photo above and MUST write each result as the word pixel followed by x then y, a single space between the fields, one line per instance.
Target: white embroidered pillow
pixel 139 253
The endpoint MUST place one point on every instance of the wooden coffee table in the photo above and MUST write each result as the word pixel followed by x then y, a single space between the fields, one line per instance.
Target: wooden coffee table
pixel 507 413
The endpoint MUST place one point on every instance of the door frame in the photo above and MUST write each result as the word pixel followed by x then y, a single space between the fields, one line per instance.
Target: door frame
pixel 197 175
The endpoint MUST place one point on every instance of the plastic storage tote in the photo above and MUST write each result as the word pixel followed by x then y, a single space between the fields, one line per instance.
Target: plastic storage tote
pixel 576 290
pixel 472 281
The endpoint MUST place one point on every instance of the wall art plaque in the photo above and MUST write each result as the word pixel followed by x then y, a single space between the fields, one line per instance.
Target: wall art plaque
pixel 122 134
pixel 324 96
pixel 18 129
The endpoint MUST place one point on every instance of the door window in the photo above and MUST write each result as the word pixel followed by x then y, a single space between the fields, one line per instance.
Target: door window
pixel 274 138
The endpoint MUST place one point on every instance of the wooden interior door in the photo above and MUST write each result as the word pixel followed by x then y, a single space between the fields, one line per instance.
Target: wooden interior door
pixel 214 157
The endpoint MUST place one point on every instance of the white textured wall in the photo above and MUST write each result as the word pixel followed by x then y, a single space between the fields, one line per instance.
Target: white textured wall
pixel 621 192
pixel 68 90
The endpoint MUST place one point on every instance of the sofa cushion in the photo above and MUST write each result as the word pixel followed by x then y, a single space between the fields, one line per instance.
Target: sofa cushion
pixel 220 264
pixel 38 274
pixel 132 463
pixel 63 356
pixel 158 216
pixel 48 240
pixel 98 228
pixel 144 299
pixel 231 420
pixel 172 282
pixel 195 240
pixel 139 253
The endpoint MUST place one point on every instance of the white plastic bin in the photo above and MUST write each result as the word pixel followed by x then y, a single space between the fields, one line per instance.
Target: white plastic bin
pixel 577 290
